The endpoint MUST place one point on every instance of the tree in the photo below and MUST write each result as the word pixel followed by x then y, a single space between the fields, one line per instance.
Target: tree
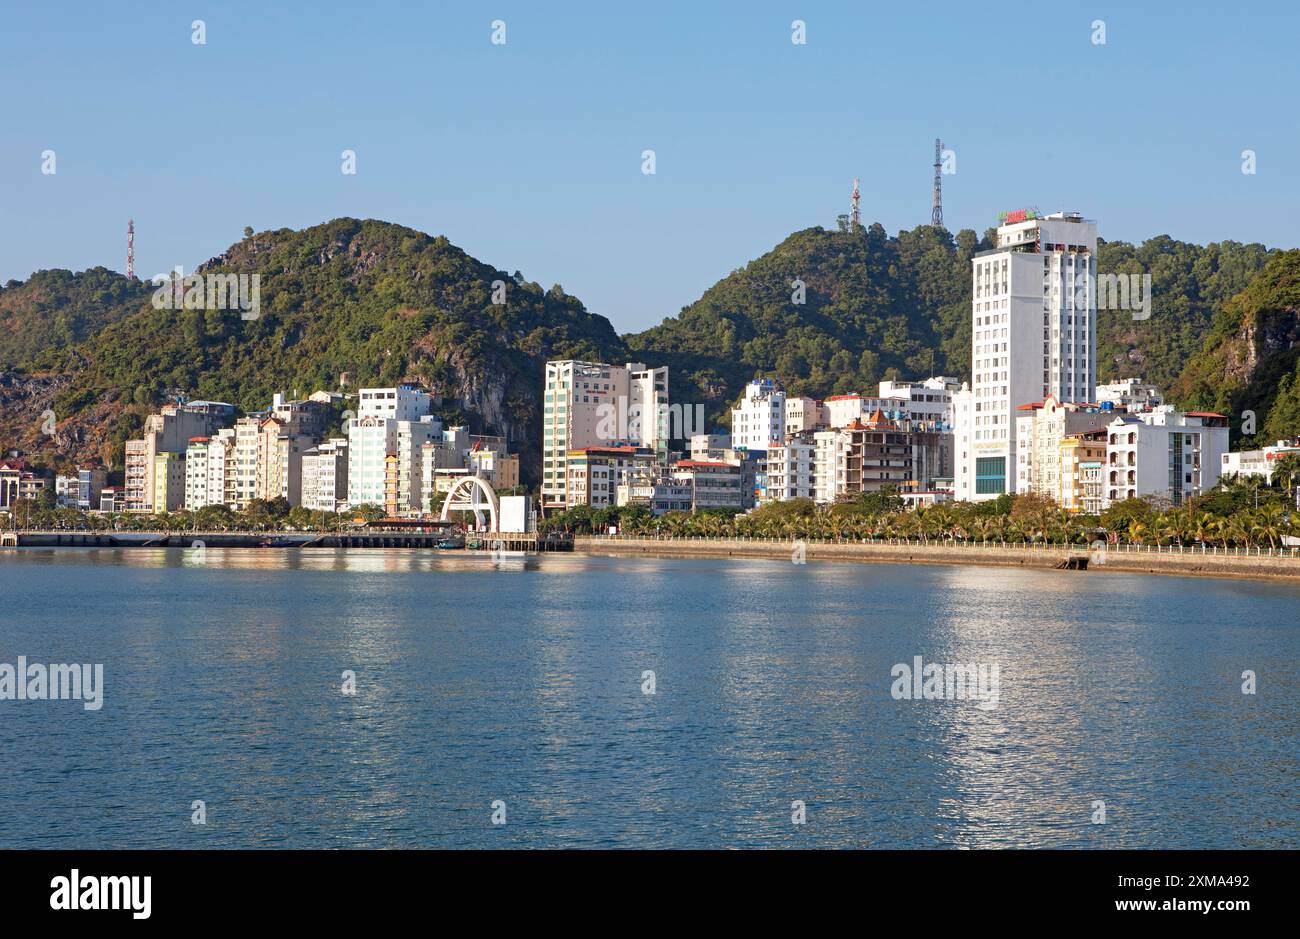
pixel 1286 472
pixel 369 512
pixel 1119 516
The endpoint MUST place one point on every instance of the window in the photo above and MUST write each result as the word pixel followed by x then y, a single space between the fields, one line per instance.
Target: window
pixel 990 474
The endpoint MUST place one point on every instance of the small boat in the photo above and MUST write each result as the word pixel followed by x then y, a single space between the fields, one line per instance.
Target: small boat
pixel 451 543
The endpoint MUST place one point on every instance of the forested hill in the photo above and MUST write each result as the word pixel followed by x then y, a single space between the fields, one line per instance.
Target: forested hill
pixel 53 309
pixel 380 301
pixel 1250 360
pixel 878 305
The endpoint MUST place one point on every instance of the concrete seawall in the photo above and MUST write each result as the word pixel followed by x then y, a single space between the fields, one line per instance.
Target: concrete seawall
pixel 1188 562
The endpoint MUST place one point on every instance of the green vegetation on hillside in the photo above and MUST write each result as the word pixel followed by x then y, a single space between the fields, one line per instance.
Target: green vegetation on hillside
pixel 1250 359
pixel 877 306
pixel 381 302
pixel 54 309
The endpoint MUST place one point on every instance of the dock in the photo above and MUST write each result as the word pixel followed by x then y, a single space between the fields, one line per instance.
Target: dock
pixel 487 542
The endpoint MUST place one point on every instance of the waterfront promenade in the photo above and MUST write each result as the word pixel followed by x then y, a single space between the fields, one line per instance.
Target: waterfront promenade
pixel 1205 560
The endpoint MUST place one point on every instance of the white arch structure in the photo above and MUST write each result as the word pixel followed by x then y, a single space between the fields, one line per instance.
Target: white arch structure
pixel 466 495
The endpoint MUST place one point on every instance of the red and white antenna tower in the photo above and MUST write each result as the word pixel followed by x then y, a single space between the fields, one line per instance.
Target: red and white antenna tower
pixel 854 216
pixel 936 196
pixel 130 248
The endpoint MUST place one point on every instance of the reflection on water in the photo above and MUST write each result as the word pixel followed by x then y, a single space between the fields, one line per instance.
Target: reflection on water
pixel 520 678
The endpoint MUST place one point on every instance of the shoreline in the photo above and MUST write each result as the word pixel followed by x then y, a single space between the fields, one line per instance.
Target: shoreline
pixel 1187 563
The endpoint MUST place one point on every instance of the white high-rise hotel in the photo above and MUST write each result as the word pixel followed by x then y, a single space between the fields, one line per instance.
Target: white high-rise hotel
pixel 1033 333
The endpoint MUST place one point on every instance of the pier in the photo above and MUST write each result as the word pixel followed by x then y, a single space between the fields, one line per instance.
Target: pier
pixel 527 542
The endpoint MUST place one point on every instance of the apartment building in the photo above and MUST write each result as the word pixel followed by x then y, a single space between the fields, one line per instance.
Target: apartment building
pixel 876 453
pixel 324 485
pixel 594 474
pixel 593 405
pixel 390 422
pixel 804 415
pixel 703 446
pixel 497 468
pixel 1131 394
pixel 168 431
pixel 760 419
pixel 929 400
pixel 1165 453
pixel 65 491
pixel 1033 334
pixel 867 455
pixel 1041 429
pixel 843 410
pixel 80 491
pixel 221 467
pixel 1081 458
pixel 168 482
pixel 309 415
pixel 196 473
pixel 790 470
pixel 1258 462
pixel 709 484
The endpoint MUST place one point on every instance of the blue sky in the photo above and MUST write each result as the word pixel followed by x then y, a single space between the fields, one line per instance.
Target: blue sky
pixel 528 155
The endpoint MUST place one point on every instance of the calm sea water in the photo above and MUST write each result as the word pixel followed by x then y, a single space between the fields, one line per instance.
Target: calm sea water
pixel 521 680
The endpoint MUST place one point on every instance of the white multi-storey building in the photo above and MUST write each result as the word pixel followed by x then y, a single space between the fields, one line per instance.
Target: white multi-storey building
pixel 705 446
pixel 804 414
pixel 390 421
pixel 325 476
pixel 828 465
pixel 843 410
pixel 1163 452
pixel 402 403
pixel 760 420
pixel 1034 316
pixel 595 404
pixel 1258 462
pixel 929 400
pixel 241 472
pixel 790 472
pixel 221 466
pixel 197 469
pixel 1130 393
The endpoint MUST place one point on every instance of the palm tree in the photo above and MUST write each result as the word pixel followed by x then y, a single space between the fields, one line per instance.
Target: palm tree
pixel 1136 532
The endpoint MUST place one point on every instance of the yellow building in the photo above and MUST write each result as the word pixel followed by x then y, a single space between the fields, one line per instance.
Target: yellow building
pixel 392 475
pixel 168 482
pixel 1077 450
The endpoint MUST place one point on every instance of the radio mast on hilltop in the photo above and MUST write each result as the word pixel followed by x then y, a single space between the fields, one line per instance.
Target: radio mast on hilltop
pixel 936 201
pixel 130 248
pixel 855 217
